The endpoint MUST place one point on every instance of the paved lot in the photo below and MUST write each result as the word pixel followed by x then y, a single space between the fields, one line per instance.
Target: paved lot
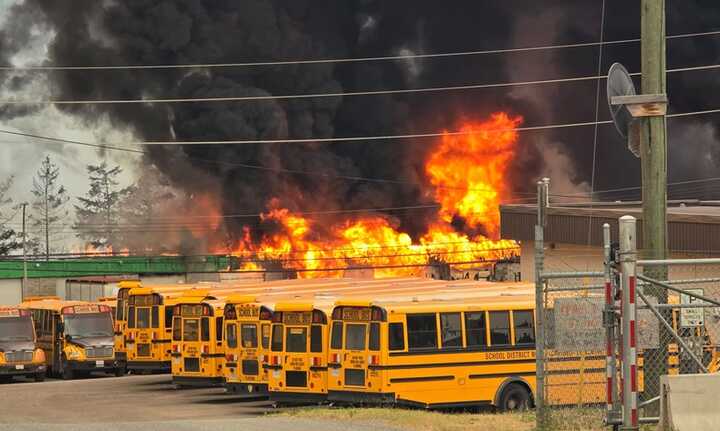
pixel 138 403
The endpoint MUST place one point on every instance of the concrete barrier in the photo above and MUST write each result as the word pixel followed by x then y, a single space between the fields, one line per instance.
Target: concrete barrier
pixel 689 402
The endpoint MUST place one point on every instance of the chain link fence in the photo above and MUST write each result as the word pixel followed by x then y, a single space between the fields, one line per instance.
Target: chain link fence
pixel 574 359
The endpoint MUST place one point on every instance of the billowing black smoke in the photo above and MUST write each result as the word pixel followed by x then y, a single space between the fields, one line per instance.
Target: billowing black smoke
pixel 93 32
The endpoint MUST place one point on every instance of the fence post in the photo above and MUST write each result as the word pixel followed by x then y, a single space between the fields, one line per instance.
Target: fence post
pixel 540 413
pixel 628 259
pixel 609 321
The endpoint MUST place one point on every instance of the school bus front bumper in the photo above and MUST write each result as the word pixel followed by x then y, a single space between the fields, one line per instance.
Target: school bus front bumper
pixel 102 365
pixel 21 369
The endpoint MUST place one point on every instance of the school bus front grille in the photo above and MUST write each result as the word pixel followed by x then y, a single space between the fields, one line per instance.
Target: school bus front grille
pixel 192 365
pixel 250 367
pixel 19 356
pixel 143 350
pixel 296 379
pixel 354 377
pixel 98 352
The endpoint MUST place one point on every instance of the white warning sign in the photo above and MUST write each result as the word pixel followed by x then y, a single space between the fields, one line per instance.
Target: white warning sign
pixel 692 317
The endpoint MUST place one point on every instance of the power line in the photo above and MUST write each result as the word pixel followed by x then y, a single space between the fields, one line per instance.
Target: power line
pixel 298 96
pixel 347 60
pixel 339 94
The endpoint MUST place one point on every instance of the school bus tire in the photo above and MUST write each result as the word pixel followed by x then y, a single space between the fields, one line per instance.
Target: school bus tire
pixel 119 371
pixel 40 377
pixel 515 397
pixel 66 373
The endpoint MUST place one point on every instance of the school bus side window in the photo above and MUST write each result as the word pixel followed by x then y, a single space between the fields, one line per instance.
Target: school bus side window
pixel 475 329
pixel 205 329
pixel 168 317
pixel 336 336
pixel 219 329
pixel 131 317
pixel 396 336
pixel 524 328
pixel 499 328
pixel 277 338
pixel 422 331
pixel 155 317
pixel 374 337
pixel 265 336
pixel 451 330
pixel 177 328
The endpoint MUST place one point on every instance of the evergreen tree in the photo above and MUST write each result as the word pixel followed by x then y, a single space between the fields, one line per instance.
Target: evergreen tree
pixel 8 237
pixel 143 205
pixel 99 211
pixel 49 207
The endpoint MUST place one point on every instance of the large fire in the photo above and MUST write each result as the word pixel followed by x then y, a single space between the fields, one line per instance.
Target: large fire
pixel 468 173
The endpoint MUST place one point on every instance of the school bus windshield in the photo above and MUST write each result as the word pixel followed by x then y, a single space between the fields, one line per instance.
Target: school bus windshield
pixel 89 325
pixel 16 329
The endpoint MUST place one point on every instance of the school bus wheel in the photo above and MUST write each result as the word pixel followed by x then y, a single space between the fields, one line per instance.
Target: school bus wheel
pixel 119 371
pixel 67 372
pixel 40 377
pixel 515 397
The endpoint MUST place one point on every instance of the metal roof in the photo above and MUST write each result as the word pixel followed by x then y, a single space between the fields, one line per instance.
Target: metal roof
pixel 693 226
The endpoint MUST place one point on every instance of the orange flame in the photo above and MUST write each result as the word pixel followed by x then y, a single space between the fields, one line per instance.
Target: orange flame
pixel 469 173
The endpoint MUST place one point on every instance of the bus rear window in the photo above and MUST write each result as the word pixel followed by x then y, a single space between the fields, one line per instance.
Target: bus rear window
pixel 190 330
pixel 524 328
pixel 499 328
pixel 355 336
pixel 219 328
pixel 277 338
pixel 168 317
pixel 177 329
pixel 249 336
pixel 396 336
pixel 231 335
pixel 296 340
pixel 422 331
pixel 143 317
pixel 336 336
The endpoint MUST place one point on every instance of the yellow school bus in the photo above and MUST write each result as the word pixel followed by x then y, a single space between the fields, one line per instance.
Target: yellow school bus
pixel 149 328
pixel 247 344
pixel 76 336
pixel 20 355
pixel 198 354
pixel 120 321
pixel 297 362
pixel 434 354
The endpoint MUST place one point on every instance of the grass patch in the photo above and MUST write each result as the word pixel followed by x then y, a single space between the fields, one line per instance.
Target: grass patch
pixel 571 419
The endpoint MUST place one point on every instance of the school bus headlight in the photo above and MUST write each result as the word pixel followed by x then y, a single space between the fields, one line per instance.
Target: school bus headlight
pixel 74 354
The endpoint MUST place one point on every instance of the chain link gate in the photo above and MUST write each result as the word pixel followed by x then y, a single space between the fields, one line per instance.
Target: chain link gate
pixel 670 324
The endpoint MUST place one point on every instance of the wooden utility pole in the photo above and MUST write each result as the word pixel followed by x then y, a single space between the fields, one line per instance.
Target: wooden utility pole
pixel 653 143
pixel 24 239
pixel 653 156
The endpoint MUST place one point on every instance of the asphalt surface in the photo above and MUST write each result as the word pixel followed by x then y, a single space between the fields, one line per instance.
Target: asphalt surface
pixel 139 403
